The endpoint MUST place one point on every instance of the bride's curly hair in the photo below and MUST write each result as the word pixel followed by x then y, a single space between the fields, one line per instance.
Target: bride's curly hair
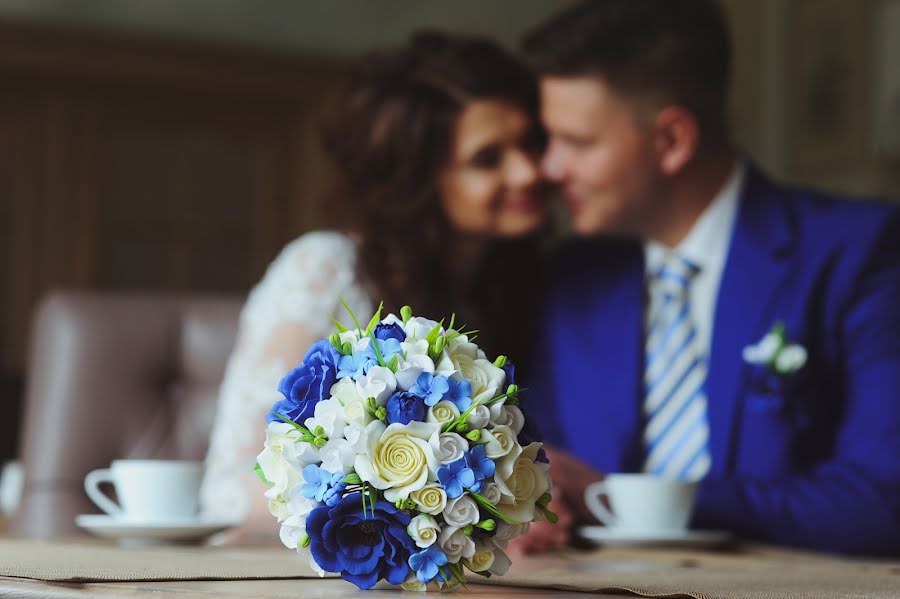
pixel 391 135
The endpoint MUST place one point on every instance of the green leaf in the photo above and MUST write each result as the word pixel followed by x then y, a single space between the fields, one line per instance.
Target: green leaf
pixel 341 328
pixel 394 364
pixel 433 333
pixel 376 318
pixel 259 472
pixel 405 313
pixel 490 507
pixel 375 347
pixel 352 315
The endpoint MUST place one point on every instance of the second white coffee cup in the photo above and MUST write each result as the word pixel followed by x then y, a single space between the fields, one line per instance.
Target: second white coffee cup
pixel 148 490
pixel 641 502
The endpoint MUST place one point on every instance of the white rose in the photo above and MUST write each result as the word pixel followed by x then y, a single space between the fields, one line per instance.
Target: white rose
pixel 461 512
pixel 400 459
pixel 379 382
pixel 356 435
pixel 344 392
pixel 423 529
pixel 478 417
pixel 337 456
pixel 522 481
pixel 501 563
pixel 510 416
pixel 486 379
pixel 291 530
pixel 350 336
pixel 417 328
pixel 505 532
pixel 491 492
pixel 278 459
pixel 329 414
pixel 430 499
pixel 449 447
pixel 455 544
pixel 498 441
pixel 410 369
pixel 441 412
pixel 298 505
pixel 483 558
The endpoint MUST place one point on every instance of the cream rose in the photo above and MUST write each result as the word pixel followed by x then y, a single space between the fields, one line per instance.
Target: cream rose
pixel 521 481
pixel 506 531
pixel 379 382
pixel 485 378
pixel 399 460
pixel 441 412
pixel 499 441
pixel 423 529
pixel 478 417
pixel 491 492
pixel 483 558
pixel 510 416
pixel 430 499
pixel 501 563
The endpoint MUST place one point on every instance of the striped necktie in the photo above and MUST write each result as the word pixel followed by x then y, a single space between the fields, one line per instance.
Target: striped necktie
pixel 677 432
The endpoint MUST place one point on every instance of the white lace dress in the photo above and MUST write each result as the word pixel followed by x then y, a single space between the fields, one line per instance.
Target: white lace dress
pixel 284 314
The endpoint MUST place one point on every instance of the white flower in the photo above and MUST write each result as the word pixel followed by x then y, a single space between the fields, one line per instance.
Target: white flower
pixel 763 351
pixel 483 558
pixel 400 459
pixel 412 583
pixel 491 492
pixel 356 435
pixel 292 529
pixel 329 414
pixel 423 529
pixel 501 564
pixel 379 382
pixel 498 441
pixel 415 363
pixel 441 412
pixel 455 544
pixel 417 328
pixel 298 505
pixel 484 377
pixel 506 531
pixel 521 481
pixel 279 458
pixel 461 512
pixel 344 392
pixel 790 359
pixel 449 447
pixel 392 318
pixel 478 417
pixel 337 456
pixel 430 499
pixel 315 567
pixel 351 336
pixel 510 416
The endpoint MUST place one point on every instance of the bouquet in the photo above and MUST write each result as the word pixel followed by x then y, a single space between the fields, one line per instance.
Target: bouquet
pixel 399 452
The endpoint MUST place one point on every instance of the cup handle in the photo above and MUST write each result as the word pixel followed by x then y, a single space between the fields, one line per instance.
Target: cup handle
pixel 593 496
pixel 92 483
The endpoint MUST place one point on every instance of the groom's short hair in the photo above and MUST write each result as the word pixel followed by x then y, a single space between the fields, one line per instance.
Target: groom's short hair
pixel 656 51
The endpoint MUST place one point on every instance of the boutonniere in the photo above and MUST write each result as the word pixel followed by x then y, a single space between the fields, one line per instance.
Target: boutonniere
pixel 775 353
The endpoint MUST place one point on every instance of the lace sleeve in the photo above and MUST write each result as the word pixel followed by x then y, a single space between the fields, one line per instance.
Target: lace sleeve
pixel 284 314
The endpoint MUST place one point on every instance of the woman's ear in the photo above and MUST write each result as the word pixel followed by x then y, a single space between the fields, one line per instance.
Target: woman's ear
pixel 676 135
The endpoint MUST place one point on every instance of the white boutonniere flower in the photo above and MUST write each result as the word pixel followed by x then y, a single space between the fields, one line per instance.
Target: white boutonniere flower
pixel 776 353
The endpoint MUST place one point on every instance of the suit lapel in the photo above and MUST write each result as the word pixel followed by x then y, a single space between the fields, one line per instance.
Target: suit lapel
pixel 755 269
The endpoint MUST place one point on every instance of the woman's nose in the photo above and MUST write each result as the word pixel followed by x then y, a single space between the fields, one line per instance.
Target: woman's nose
pixel 523 170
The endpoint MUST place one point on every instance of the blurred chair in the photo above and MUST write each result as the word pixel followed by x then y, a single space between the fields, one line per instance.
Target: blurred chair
pixel 115 376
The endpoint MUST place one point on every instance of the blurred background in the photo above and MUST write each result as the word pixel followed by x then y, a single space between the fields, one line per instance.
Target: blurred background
pixel 172 145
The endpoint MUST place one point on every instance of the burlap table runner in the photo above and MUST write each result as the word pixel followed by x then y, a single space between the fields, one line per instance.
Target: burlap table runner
pixel 753 572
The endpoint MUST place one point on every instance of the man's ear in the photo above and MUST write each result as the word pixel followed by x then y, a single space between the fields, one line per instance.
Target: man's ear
pixel 676 135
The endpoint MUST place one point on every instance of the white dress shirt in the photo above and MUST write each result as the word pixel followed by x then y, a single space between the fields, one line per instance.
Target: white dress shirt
pixel 706 245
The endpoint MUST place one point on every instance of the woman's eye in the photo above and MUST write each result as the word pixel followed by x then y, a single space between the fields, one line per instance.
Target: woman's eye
pixel 485 158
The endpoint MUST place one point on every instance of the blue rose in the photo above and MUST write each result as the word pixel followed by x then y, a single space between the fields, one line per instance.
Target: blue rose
pixel 390 331
pixel 404 407
pixel 362 548
pixel 510 369
pixel 307 384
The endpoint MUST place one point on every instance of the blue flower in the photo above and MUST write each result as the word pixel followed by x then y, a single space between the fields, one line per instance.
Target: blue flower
pixel 456 477
pixel 362 548
pixel 355 365
pixel 481 465
pixel 510 369
pixel 404 407
pixel 320 484
pixel 389 331
pixel 387 347
pixel 307 384
pixel 427 564
pixel 431 388
pixel 460 393
pixel 334 493
pixel 530 433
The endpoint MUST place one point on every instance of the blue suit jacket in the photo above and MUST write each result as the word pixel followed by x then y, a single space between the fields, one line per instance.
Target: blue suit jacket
pixel 812 459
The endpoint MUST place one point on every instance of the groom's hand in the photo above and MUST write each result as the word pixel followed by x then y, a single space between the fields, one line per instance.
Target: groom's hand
pixel 570 478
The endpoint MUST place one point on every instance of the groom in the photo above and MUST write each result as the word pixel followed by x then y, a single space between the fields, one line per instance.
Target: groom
pixel 711 324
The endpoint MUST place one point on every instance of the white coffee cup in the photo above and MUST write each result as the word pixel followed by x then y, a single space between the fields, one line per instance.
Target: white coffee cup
pixel 148 490
pixel 641 502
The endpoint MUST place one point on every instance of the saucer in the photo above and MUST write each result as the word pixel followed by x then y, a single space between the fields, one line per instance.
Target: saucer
pixel 151 532
pixel 604 535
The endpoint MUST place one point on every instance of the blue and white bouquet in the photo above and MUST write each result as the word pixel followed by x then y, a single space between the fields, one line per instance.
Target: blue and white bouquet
pixel 399 452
